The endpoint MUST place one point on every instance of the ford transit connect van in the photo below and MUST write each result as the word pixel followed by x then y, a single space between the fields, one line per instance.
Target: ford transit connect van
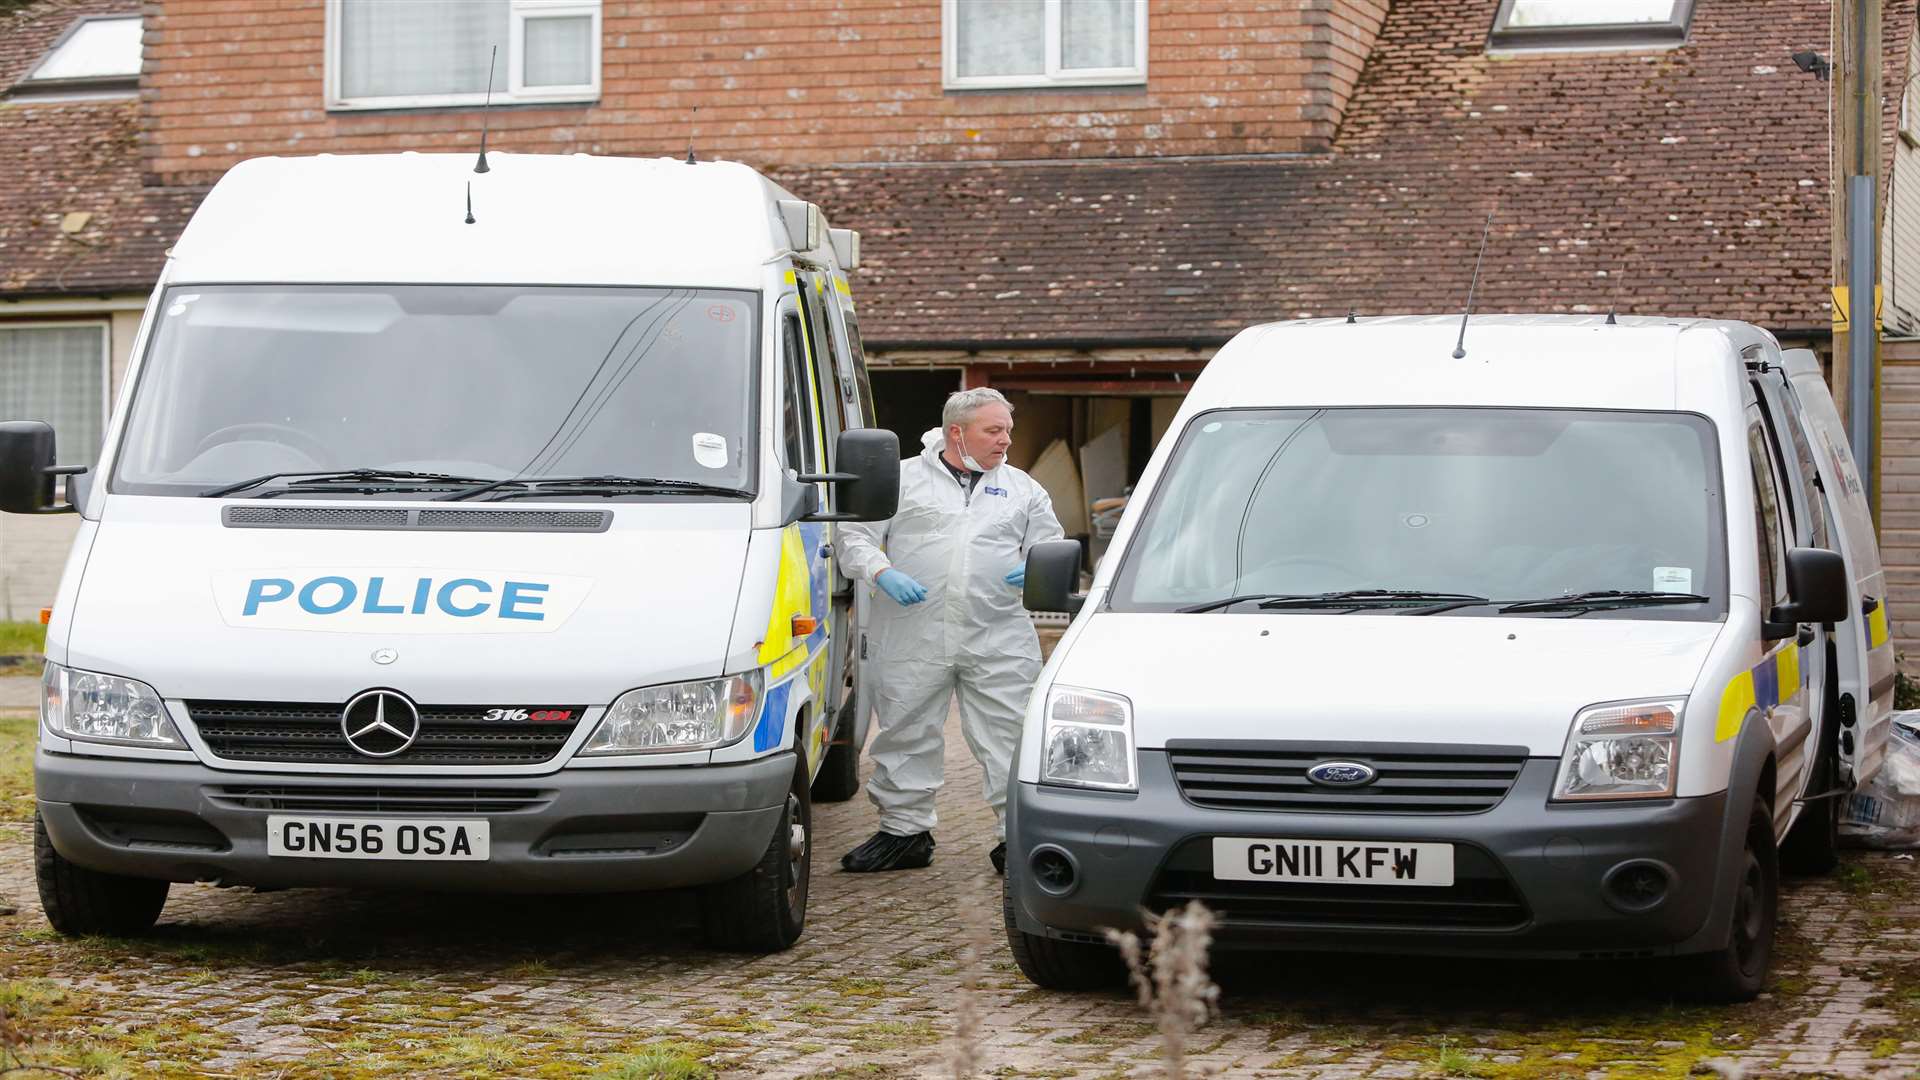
pixel 465 530
pixel 1560 648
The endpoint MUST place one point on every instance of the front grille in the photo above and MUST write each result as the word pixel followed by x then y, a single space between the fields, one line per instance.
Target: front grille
pixel 1413 779
pixel 1480 898
pixel 343 799
pixel 310 734
pixel 256 516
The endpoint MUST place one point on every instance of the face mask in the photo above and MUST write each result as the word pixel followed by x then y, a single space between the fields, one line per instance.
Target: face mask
pixel 966 458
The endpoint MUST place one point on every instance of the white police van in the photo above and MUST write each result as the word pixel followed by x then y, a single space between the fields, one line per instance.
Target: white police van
pixel 1562 647
pixel 464 529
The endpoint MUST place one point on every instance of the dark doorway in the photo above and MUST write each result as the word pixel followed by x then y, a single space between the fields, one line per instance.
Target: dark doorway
pixel 908 403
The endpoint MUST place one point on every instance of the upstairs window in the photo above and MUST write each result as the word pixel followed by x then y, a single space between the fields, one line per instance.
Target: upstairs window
pixel 99 53
pixel 995 44
pixel 1531 25
pixel 405 54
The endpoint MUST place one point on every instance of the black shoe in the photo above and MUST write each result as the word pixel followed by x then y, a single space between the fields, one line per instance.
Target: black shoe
pixel 885 851
pixel 999 857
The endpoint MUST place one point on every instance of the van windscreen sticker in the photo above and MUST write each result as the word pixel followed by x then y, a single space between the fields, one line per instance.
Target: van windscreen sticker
pixel 710 450
pixel 398 600
pixel 1677 579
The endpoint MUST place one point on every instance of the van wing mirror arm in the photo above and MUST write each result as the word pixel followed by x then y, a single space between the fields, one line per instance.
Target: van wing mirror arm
pixel 63 470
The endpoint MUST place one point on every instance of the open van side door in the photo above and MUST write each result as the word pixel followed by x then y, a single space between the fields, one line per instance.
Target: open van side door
pixel 1864 645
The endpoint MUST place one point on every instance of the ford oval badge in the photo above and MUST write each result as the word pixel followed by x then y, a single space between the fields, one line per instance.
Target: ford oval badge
pixel 1341 774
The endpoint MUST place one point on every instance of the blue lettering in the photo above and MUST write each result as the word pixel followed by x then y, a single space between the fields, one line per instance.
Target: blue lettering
pixel 347 592
pixel 257 593
pixel 373 605
pixel 420 590
pixel 446 597
pixel 512 598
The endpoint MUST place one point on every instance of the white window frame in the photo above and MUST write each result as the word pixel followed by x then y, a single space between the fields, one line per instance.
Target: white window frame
pixel 512 52
pixel 1054 75
pixel 106 369
pixel 124 83
pixel 1589 37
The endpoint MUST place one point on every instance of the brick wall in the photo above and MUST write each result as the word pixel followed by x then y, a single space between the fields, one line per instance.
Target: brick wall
pixel 805 81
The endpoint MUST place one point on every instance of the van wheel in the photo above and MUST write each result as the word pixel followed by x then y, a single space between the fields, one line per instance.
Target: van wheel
pixel 1739 971
pixel 839 778
pixel 1059 965
pixel 80 901
pixel 765 909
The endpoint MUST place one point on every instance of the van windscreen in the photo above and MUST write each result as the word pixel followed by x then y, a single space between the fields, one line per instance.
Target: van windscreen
pixel 479 382
pixel 1507 504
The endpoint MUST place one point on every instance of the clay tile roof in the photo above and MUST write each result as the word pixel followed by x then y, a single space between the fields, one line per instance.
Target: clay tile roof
pixel 1686 182
pixel 75 157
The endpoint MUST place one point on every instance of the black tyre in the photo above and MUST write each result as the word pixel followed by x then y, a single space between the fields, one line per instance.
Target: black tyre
pixel 1739 971
pixel 1059 965
pixel 1813 845
pixel 80 901
pixel 839 778
pixel 765 909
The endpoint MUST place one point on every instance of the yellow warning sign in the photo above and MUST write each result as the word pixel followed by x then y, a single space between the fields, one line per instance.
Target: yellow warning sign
pixel 1841 317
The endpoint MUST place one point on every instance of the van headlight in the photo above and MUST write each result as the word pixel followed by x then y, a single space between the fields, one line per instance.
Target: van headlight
pixel 1622 750
pixel 90 707
pixel 1088 740
pixel 679 716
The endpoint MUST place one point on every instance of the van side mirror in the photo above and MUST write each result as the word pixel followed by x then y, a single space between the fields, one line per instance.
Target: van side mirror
pixel 27 470
pixel 1816 592
pixel 867 475
pixel 1053 569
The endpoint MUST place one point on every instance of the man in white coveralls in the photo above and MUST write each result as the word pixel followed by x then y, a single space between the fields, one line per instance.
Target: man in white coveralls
pixel 950 565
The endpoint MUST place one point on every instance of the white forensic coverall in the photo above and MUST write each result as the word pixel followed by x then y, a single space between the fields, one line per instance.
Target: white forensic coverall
pixel 970 636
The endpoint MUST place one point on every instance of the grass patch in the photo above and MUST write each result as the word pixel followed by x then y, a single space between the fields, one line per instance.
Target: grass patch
pixel 664 1062
pixel 16 768
pixel 894 1035
pixel 22 638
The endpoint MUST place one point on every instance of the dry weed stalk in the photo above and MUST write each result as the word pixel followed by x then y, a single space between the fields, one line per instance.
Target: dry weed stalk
pixel 1172 980
pixel 964 1052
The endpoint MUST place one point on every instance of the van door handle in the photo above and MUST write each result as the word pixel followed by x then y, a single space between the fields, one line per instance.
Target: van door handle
pixel 1805 636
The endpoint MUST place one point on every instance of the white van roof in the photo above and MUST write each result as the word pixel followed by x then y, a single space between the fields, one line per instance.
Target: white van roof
pixel 1541 361
pixel 538 219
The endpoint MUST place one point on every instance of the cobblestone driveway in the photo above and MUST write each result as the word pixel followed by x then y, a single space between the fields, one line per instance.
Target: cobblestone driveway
pixel 313 983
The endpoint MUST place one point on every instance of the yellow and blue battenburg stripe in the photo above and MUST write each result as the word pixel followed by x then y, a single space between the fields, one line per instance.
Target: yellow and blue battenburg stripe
pixel 1760 687
pixel 1877 626
pixel 799 591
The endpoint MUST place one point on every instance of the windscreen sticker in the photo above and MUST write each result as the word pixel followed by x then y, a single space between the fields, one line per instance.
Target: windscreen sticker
pixel 398 600
pixel 1676 579
pixel 710 450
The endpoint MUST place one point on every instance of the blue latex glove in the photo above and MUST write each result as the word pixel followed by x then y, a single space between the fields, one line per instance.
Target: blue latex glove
pixel 1018 578
pixel 905 591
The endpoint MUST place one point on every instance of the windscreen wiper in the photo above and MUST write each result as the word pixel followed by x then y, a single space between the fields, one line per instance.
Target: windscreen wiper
pixel 331 476
pixel 1342 598
pixel 529 487
pixel 1602 599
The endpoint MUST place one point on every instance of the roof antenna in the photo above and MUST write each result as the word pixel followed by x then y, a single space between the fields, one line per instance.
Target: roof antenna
pixel 1460 347
pixel 486 112
pixel 469 202
pixel 693 125
pixel 1350 318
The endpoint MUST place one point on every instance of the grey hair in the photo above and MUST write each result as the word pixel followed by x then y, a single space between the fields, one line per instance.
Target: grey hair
pixel 962 404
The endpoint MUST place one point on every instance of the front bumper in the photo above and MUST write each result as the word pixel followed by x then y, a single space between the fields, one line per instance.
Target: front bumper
pixel 1530 875
pixel 575 830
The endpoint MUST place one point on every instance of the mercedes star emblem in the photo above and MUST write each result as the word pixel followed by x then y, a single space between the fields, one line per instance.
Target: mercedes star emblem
pixel 380 723
pixel 385 656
